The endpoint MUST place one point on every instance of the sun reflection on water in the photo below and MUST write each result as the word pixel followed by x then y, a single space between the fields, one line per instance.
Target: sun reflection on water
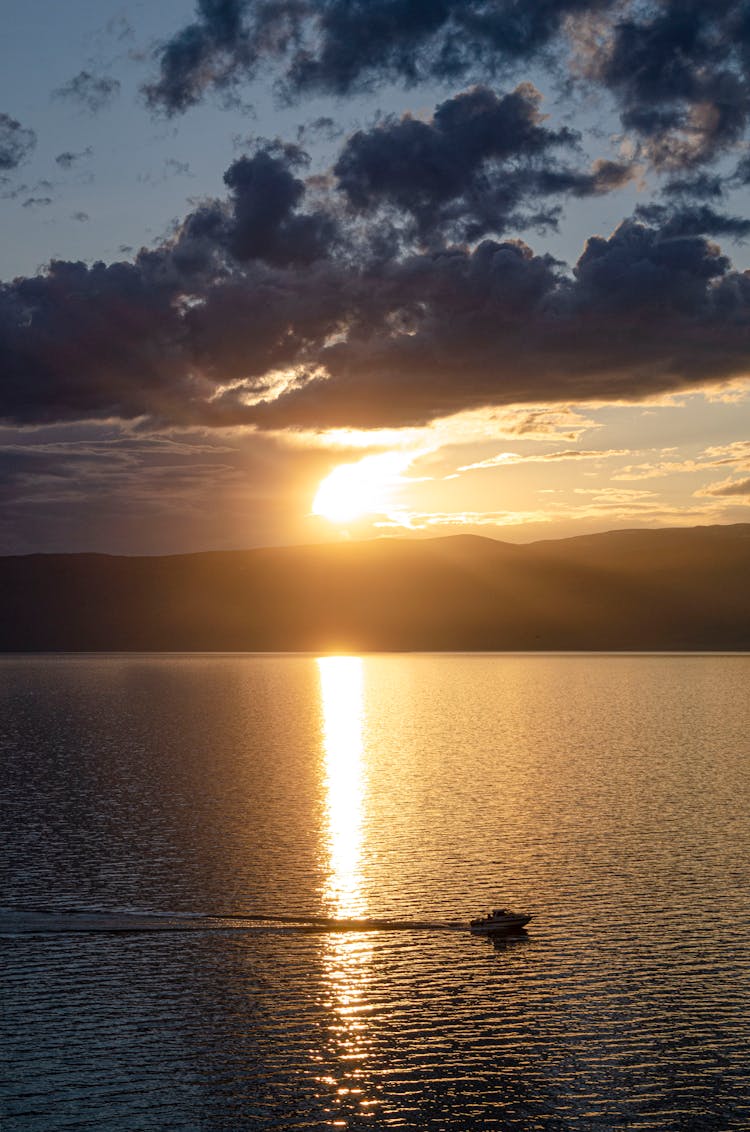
pixel 342 693
pixel 347 955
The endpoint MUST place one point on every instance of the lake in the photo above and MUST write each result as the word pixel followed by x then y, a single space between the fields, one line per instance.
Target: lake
pixel 608 795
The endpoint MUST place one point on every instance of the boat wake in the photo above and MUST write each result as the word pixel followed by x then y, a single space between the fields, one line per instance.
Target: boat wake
pixel 43 921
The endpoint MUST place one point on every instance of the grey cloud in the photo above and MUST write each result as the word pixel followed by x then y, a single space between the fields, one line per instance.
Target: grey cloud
pixel 353 43
pixel 341 46
pixel 68 159
pixel 263 219
pixel 264 282
pixel 466 329
pixel 16 142
pixel 694 220
pixel 472 169
pixel 322 127
pixel 209 53
pixel 90 91
pixel 680 72
pixel 702 185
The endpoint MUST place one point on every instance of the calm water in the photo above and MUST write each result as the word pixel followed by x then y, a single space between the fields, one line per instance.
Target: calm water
pixel 610 796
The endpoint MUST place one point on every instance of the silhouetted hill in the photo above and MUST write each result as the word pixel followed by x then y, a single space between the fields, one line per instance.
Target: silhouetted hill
pixel 665 589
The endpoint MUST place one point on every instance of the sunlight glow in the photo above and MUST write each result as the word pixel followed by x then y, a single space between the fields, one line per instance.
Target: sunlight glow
pixel 341 683
pixel 346 956
pixel 354 490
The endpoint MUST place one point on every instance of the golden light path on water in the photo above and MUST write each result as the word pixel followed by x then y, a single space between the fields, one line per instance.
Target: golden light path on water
pixel 347 955
pixel 342 694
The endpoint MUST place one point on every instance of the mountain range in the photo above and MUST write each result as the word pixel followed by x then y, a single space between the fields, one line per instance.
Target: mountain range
pixel 669 589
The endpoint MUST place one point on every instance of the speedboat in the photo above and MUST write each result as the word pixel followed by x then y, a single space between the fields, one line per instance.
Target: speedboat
pixel 499 920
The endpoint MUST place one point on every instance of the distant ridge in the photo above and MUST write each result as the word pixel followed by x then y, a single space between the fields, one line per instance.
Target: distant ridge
pixel 670 589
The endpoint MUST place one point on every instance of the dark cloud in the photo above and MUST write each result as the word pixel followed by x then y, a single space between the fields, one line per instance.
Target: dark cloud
pixel 16 142
pixel 694 220
pixel 353 43
pixel 703 186
pixel 261 219
pixel 266 222
pixel 37 202
pixel 341 46
pixel 473 168
pixel 237 290
pixel 199 329
pixel 680 70
pixel 81 217
pixel 298 302
pixel 463 329
pixel 92 92
pixel 90 341
pixel 741 174
pixel 67 159
pixel 209 53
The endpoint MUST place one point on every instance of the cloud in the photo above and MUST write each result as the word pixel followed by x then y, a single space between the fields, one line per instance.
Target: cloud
pixel 100 487
pixel 632 472
pixel 503 459
pixel 323 127
pixel 727 488
pixel 347 46
pixel 736 453
pixel 701 185
pixel 343 46
pixel 209 53
pixel 428 520
pixel 694 220
pixel 171 168
pixel 680 73
pixel 67 159
pixel 266 221
pixel 90 91
pixel 277 307
pixel 16 142
pixel 261 220
pixel 461 328
pixel 471 169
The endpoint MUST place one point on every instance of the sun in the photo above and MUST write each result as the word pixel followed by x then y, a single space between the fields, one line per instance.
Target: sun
pixel 352 491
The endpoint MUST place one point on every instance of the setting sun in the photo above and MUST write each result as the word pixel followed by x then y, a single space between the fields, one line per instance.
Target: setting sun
pixel 354 490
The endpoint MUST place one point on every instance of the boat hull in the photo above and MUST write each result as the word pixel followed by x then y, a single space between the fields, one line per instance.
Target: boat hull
pixel 500 926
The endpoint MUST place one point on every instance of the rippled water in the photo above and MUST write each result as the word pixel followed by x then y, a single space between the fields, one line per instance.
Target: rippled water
pixel 607 795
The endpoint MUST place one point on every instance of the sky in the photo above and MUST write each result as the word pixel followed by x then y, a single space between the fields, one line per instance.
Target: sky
pixel 293 271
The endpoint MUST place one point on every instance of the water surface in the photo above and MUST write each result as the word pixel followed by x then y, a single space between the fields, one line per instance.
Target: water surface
pixel 607 795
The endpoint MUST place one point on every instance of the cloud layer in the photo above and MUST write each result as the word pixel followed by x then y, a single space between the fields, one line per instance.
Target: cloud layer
pixel 677 70
pixel 388 291
pixel 281 308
